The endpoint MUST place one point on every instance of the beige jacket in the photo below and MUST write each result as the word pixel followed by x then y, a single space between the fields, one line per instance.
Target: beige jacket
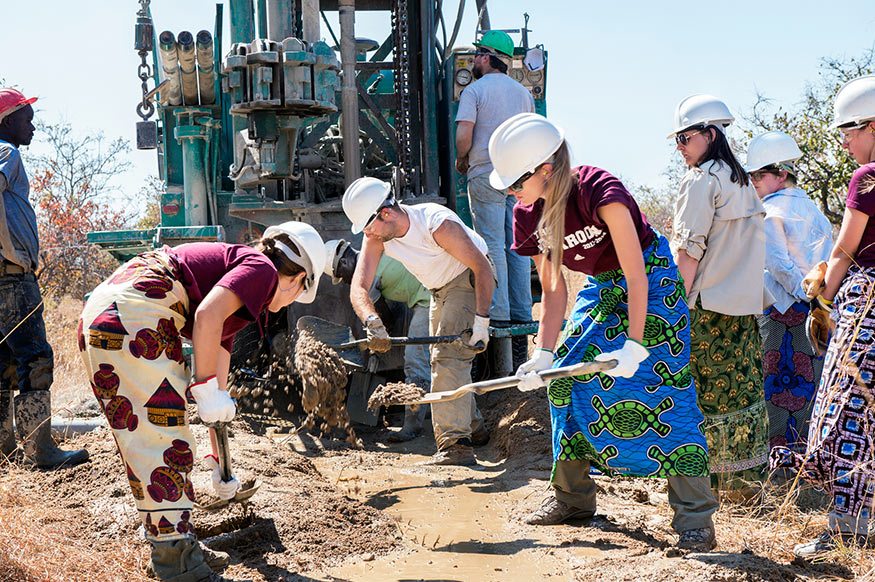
pixel 722 225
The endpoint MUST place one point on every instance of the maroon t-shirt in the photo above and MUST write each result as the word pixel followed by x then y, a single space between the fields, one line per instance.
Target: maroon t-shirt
pixel 243 270
pixel 588 247
pixel 861 196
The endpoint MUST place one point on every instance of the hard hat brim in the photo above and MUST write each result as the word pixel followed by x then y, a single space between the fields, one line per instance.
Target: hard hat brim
pixel 309 295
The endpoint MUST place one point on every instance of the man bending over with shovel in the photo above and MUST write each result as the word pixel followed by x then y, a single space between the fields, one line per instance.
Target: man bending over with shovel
pixel 450 260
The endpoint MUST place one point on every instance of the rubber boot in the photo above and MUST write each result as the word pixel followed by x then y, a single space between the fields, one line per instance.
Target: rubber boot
pixel 412 427
pixel 33 412
pixel 7 432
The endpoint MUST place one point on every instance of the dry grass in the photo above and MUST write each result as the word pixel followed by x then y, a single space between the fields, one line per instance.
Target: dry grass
pixel 70 388
pixel 41 543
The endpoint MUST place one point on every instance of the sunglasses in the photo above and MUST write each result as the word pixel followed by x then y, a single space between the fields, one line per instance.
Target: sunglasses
pixel 518 185
pixel 758 175
pixel 846 131
pixel 684 138
pixel 390 201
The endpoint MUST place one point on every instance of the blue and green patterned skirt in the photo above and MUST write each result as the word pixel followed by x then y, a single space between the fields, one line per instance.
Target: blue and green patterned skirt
pixel 645 426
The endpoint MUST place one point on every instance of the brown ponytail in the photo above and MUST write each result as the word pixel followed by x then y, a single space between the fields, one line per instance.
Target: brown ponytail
pixel 284 265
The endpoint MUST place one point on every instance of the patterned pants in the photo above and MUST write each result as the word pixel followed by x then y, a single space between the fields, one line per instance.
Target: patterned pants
pixel 841 455
pixel 129 339
pixel 725 360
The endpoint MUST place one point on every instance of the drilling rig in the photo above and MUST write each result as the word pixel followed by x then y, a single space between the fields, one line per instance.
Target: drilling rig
pixel 274 126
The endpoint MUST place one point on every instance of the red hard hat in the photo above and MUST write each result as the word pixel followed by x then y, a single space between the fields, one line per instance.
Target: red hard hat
pixel 11 100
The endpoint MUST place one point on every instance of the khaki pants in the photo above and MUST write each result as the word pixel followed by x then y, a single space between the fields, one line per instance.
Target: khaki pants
pixel 451 312
pixel 689 497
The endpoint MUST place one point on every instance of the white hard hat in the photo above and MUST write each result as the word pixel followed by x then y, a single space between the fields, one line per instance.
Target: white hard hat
pixel 312 253
pixel 700 110
pixel 363 199
pixel 334 250
pixel 519 145
pixel 855 102
pixel 771 148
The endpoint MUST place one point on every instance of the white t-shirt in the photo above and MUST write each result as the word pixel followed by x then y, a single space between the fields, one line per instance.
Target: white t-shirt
pixel 420 254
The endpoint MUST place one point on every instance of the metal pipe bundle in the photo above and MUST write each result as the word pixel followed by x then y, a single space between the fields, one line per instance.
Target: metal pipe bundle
pixel 169 64
pixel 187 70
pixel 206 69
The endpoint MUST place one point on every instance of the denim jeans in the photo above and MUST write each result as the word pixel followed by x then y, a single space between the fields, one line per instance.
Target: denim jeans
pixel 492 214
pixel 26 358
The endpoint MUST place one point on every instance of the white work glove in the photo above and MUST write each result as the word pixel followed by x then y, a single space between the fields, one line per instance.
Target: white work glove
pixel 541 360
pixel 225 490
pixel 628 358
pixel 378 337
pixel 213 405
pixel 480 331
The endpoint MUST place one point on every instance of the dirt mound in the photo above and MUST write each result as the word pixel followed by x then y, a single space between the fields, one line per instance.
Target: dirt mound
pixel 520 423
pixel 297 520
pixel 394 393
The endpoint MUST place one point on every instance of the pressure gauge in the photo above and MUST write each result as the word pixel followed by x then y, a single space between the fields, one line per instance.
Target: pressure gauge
pixel 535 77
pixel 463 77
pixel 517 75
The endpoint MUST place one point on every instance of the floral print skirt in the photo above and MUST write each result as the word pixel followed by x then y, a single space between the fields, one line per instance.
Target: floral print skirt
pixel 725 361
pixel 791 375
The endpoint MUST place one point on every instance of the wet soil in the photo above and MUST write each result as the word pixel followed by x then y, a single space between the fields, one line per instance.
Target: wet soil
pixel 329 512
pixel 395 393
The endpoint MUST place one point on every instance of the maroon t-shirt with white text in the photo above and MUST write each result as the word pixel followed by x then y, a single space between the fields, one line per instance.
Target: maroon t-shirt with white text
pixel 588 247
pixel 248 273
pixel 861 196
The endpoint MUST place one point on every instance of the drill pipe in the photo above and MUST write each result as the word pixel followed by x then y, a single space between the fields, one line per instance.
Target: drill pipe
pixel 206 70
pixel 187 70
pixel 170 66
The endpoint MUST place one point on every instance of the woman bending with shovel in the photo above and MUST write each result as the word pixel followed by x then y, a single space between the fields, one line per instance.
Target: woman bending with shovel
pixel 639 418
pixel 130 335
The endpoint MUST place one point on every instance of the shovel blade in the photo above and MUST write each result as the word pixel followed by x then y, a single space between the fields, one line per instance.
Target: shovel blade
pixel 332 334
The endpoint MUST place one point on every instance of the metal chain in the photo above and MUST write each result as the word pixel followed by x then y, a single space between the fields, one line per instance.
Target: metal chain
pixel 400 21
pixel 143 44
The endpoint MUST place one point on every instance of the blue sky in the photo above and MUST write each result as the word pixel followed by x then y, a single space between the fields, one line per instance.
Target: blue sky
pixel 616 72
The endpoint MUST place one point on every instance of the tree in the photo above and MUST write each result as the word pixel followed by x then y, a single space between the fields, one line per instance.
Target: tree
pixel 825 168
pixel 70 188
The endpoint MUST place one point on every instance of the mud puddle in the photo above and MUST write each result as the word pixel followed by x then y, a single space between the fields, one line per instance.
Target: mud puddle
pixel 455 523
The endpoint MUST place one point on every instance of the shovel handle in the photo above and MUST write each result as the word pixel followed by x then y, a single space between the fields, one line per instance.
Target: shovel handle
pixel 401 341
pixel 512 381
pixel 220 449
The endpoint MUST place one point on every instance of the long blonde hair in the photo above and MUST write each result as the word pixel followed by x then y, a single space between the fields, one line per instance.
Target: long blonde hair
pixel 552 224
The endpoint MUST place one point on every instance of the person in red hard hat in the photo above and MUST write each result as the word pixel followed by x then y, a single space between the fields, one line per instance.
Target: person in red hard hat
pixel 26 358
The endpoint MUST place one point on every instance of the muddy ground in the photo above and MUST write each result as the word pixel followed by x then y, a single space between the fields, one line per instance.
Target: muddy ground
pixel 331 512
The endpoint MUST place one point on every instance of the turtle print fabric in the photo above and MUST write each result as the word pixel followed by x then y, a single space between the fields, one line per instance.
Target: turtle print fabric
pixel 647 425
pixel 840 456
pixel 791 373
pixel 725 360
pixel 130 343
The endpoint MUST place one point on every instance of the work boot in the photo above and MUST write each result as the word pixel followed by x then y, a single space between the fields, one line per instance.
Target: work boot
pixel 458 453
pixel 7 431
pixel 480 436
pixel 700 539
pixel 554 512
pixel 33 412
pixel 179 560
pixel 412 427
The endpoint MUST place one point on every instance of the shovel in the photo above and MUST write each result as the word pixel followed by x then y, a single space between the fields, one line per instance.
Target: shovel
pixel 511 381
pixel 219 446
